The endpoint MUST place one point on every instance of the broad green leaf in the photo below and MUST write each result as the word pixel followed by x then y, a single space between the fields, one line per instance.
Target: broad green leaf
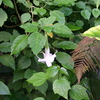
pixel 65 60
pixel 42 88
pixel 28 87
pixel 93 32
pixel 21 1
pixel 8 3
pixel 63 71
pixel 47 29
pixel 37 79
pixel 78 92
pixel 81 4
pixel 73 27
pixel 47 21
pixel 61 86
pixel 18 75
pixel 28 53
pixel 3 17
pixel 28 73
pixel 62 30
pixel 64 2
pixel 27 4
pixel 66 11
pixel 7 60
pixel 0 2
pixel 29 27
pixel 25 17
pixel 67 45
pixel 96 12
pixel 4 36
pixel 5 47
pixel 36 42
pixel 24 62
pixel 86 14
pixel 36 2
pixel 97 22
pixel 39 98
pixel 19 44
pixel 79 23
pixel 59 16
pixel 41 11
pixel 4 89
pixel 52 71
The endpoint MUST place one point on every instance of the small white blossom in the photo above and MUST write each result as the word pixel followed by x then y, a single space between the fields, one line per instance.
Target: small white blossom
pixel 48 57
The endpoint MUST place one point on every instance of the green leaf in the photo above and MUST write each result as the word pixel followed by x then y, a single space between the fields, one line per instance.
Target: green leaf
pixel 63 71
pixel 29 27
pixel 25 17
pixel 96 12
pixel 18 75
pixel 36 2
pixel 93 32
pixel 78 92
pixel 80 4
pixel 3 17
pixel 79 23
pixel 7 60
pixel 64 2
pixel 27 86
pixel 42 88
pixel 62 30
pixel 37 79
pixel 36 42
pixel 8 3
pixel 39 98
pixel 73 27
pixel 65 60
pixel 0 2
pixel 47 21
pixel 47 29
pixel 66 11
pixel 86 14
pixel 4 89
pixel 28 73
pixel 24 62
pixel 59 16
pixel 5 47
pixel 52 71
pixel 19 44
pixel 61 86
pixel 67 45
pixel 4 36
pixel 41 11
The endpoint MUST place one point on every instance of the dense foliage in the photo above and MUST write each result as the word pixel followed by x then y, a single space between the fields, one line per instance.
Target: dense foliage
pixel 36 41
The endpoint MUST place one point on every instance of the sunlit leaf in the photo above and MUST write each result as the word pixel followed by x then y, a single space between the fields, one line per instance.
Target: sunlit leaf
pixel 59 16
pixel 62 30
pixel 3 17
pixel 4 89
pixel 25 17
pixel 36 42
pixel 61 86
pixel 37 79
pixel 19 44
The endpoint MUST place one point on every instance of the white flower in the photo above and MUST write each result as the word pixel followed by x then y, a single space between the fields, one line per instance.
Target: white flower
pixel 48 57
